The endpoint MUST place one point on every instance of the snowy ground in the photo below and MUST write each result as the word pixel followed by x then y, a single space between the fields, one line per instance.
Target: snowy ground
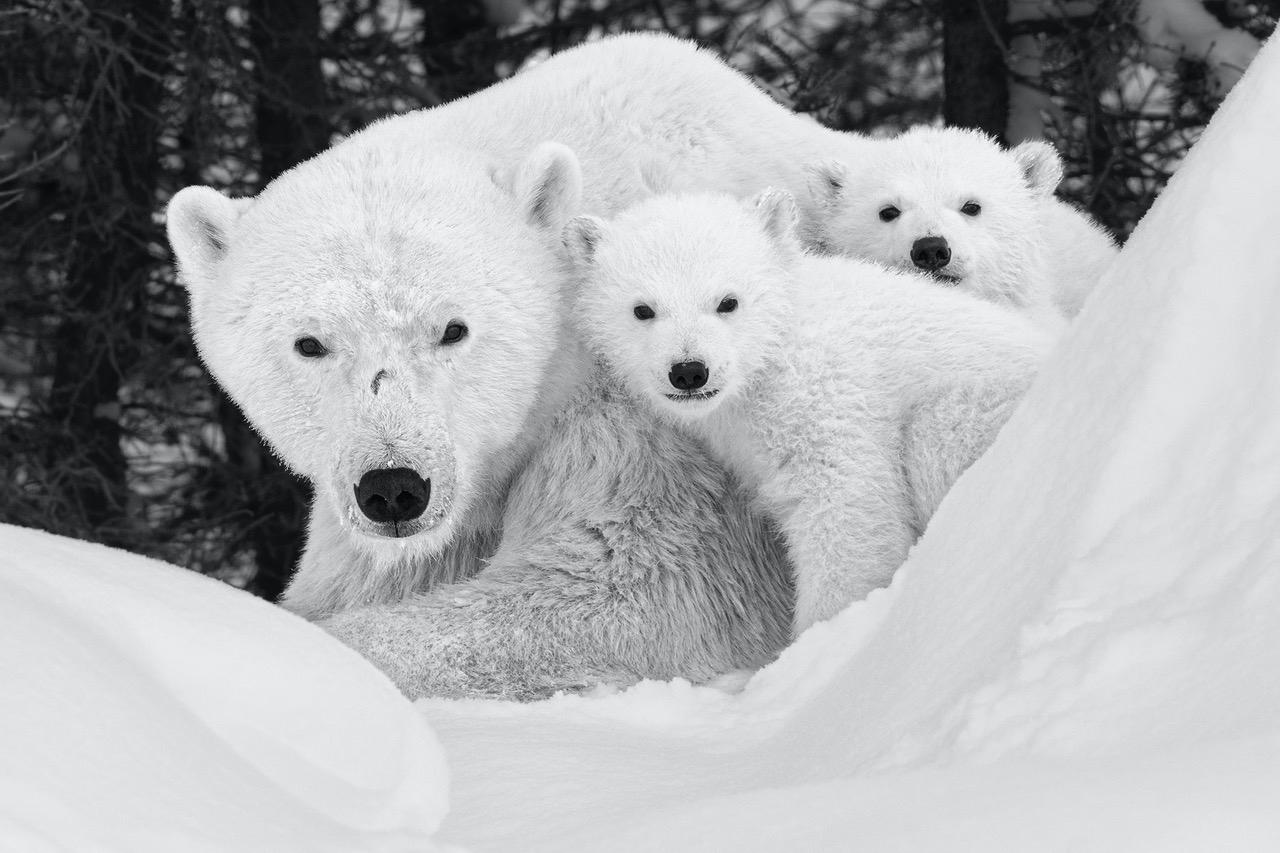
pixel 1082 653
pixel 144 707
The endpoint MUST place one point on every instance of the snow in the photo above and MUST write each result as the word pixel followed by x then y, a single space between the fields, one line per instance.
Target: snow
pixel 1081 653
pixel 145 707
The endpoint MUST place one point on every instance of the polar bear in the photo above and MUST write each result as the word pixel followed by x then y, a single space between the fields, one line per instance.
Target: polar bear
pixel 1078 251
pixel 951 203
pixel 391 317
pixel 848 396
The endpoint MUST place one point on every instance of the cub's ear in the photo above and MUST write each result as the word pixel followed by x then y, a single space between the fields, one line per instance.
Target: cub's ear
pixel 827 181
pixel 1041 166
pixel 548 186
pixel 581 237
pixel 199 221
pixel 776 211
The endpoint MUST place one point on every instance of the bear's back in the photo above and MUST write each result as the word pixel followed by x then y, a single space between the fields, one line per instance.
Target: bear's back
pixel 645 114
pixel 907 329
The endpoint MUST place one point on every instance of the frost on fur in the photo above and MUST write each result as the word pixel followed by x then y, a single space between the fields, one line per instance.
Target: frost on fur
pixel 848 397
pixel 952 204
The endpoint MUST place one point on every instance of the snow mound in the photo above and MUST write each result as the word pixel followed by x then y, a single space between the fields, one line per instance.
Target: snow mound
pixel 144 707
pixel 1081 652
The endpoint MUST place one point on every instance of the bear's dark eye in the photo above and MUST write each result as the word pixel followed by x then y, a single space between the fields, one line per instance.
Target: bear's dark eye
pixel 888 213
pixel 727 305
pixel 643 312
pixel 453 333
pixel 310 348
pixel 971 208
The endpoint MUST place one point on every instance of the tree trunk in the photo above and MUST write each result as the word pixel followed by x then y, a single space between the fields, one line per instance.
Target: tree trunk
pixel 452 33
pixel 292 113
pixel 108 262
pixel 292 125
pixel 975 75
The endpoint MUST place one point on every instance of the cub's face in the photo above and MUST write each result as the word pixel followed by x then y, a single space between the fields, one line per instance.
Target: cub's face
pixel 387 337
pixel 946 203
pixel 686 297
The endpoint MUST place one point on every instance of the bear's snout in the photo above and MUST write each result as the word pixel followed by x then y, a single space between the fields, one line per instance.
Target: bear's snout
pixel 930 253
pixel 688 375
pixel 392 495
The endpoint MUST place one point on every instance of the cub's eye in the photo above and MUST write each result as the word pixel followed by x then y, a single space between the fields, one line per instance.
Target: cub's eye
pixel 971 208
pixel 310 348
pixel 727 305
pixel 643 312
pixel 453 333
pixel 888 213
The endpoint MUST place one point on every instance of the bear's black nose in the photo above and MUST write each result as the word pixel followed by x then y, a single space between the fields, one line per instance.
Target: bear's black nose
pixel 930 253
pixel 688 375
pixel 392 494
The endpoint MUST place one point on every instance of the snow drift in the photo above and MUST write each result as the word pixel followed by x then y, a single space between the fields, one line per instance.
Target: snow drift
pixel 1081 654
pixel 143 707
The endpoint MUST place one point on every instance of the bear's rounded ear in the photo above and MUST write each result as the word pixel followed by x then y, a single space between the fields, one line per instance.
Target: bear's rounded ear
pixel 827 181
pixel 199 220
pixel 548 186
pixel 581 236
pixel 775 210
pixel 1041 166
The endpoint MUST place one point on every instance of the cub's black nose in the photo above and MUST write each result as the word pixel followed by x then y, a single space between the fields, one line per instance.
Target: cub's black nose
pixel 930 253
pixel 392 494
pixel 688 375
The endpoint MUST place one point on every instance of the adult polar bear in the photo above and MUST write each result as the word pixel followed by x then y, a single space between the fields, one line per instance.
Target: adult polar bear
pixel 391 317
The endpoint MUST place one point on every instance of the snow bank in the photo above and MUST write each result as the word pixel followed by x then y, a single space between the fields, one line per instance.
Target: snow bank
pixel 143 707
pixel 1081 653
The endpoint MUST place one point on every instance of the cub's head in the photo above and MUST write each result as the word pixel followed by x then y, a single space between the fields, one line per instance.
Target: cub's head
pixel 943 201
pixel 686 297
pixel 385 323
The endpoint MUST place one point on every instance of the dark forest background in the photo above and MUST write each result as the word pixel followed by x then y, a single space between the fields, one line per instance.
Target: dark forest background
pixel 110 430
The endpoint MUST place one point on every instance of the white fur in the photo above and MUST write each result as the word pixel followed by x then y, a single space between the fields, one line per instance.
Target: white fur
pixel 1022 249
pixel 454 213
pixel 363 278
pixel 1078 251
pixel 849 396
pixel 374 246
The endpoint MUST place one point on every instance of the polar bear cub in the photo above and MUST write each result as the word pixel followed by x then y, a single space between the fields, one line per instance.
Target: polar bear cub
pixel 952 204
pixel 848 396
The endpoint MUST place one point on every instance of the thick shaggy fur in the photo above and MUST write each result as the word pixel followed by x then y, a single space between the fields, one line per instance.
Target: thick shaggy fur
pixel 1023 248
pixel 848 396
pixel 454 214
pixel 625 554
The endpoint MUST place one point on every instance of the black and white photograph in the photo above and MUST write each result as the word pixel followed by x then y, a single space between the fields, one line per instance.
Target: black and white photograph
pixel 655 425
